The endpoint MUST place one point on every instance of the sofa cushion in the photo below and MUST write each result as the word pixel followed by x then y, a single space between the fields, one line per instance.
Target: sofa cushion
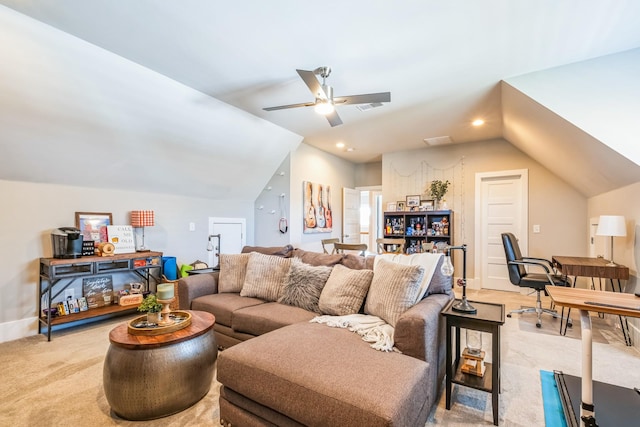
pixel 394 289
pixel 266 276
pixel 432 281
pixel 223 305
pixel 233 268
pixel 282 251
pixel 440 284
pixel 329 377
pixel 304 285
pixel 358 262
pixel 345 290
pixel 317 258
pixel 263 318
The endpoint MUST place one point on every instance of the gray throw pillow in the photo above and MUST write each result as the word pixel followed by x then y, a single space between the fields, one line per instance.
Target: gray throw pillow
pixel 345 290
pixel 305 285
pixel 266 276
pixel 394 289
pixel 233 269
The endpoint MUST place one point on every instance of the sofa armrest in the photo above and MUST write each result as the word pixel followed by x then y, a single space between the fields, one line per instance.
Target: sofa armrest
pixel 195 286
pixel 419 331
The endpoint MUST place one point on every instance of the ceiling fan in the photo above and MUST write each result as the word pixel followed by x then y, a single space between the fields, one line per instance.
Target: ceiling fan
pixel 325 101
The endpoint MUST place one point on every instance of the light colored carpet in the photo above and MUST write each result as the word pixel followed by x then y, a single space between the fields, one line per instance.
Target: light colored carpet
pixel 59 383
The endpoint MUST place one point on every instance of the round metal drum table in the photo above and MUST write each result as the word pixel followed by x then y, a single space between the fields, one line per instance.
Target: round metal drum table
pixel 147 377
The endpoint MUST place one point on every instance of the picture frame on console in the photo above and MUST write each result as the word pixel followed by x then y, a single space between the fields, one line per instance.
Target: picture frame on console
pixel 391 206
pixel 93 225
pixel 413 201
pixel 400 204
pixel 427 205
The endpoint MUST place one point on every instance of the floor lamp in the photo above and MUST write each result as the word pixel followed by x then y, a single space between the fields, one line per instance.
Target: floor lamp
pixel 612 226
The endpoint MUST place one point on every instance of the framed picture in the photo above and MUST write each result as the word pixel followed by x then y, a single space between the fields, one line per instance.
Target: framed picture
pixel 427 205
pixel 93 225
pixel 413 201
pixel 400 205
pixel 391 206
pixel 316 201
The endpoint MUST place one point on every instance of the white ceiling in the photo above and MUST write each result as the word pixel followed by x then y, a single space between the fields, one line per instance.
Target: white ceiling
pixel 441 61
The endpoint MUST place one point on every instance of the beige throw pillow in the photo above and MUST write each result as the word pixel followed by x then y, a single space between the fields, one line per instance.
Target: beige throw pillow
pixel 266 276
pixel 304 285
pixel 394 289
pixel 344 291
pixel 233 268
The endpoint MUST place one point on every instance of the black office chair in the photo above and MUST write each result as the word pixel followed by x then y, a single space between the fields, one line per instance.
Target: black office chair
pixel 519 276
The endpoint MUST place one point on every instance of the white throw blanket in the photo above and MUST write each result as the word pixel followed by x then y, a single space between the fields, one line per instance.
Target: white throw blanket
pixel 371 328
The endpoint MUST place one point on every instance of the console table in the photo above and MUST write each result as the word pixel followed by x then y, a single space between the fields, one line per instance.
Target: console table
pixel 488 318
pixel 57 274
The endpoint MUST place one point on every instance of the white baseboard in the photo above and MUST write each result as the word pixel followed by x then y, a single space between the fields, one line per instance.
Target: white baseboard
pixel 16 329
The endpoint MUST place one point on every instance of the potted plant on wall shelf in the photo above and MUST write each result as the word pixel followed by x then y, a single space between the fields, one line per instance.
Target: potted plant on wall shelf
pixel 438 189
pixel 152 307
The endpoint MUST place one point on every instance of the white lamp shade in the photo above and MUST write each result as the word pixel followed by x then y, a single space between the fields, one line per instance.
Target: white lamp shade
pixel 611 225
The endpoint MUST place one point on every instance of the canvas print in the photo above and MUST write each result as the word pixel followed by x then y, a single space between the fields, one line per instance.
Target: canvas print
pixel 317 214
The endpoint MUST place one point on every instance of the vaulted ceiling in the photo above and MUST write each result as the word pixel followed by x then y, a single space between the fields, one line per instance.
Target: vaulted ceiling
pixel 443 62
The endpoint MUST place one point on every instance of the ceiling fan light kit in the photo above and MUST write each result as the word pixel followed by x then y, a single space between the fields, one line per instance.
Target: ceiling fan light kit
pixel 325 102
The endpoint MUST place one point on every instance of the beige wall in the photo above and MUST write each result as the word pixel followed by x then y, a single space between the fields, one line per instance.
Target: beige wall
pixel 30 211
pixel 368 174
pixel 559 209
pixel 626 250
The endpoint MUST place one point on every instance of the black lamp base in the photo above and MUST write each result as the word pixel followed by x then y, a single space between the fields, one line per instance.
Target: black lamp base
pixel 464 307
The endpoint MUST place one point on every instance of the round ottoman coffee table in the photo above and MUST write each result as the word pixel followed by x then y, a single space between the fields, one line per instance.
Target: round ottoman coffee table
pixel 147 377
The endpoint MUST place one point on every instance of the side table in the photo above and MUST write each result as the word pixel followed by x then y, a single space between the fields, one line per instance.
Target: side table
pixel 488 318
pixel 147 377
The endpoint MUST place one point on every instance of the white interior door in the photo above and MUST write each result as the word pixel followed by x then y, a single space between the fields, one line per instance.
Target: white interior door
pixel 502 206
pixel 597 244
pixel 232 233
pixel 350 215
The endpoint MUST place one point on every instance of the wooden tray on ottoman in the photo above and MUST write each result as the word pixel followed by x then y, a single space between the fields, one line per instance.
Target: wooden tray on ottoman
pixel 182 320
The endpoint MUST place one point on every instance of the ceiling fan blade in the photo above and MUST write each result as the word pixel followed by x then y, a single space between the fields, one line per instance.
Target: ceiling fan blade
pixel 369 98
pixel 312 82
pixel 334 119
pixel 283 107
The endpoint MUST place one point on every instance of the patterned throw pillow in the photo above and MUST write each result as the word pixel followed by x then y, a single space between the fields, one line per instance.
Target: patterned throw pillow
pixel 394 289
pixel 266 276
pixel 233 268
pixel 345 291
pixel 305 285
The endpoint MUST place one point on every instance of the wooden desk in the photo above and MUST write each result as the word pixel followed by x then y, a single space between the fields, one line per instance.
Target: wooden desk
pixel 587 300
pixel 594 267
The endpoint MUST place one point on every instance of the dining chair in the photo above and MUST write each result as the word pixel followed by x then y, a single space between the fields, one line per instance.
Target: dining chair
pixel 341 247
pixel 383 244
pixel 327 242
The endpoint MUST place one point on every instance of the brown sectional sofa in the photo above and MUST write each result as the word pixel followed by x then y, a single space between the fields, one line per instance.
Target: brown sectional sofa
pixel 290 372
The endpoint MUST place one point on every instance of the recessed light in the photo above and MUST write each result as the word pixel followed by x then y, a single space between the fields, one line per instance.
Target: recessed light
pixel 351 149
pixel 340 145
pixel 477 122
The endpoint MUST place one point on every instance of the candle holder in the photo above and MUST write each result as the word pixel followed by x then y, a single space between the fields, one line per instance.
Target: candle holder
pixel 166 311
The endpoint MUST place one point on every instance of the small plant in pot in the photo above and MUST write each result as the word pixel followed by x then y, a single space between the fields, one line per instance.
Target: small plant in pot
pixel 438 189
pixel 152 307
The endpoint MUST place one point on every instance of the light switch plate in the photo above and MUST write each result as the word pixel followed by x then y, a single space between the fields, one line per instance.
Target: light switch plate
pixel 192 226
pixel 536 228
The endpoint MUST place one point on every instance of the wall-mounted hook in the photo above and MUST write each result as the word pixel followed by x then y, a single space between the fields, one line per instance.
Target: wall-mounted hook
pixel 272 212
pixel 281 173
pixel 282 195
pixel 260 207
pixel 269 188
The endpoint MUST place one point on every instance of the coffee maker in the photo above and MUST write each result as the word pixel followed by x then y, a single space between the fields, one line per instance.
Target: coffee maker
pixel 66 242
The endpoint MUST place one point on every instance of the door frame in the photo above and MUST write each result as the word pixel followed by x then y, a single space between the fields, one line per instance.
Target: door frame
pixel 523 239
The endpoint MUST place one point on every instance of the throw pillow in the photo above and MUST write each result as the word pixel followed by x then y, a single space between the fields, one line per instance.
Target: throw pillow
pixel 266 276
pixel 316 258
pixel 233 268
pixel 394 289
pixel 283 251
pixel 304 285
pixel 345 290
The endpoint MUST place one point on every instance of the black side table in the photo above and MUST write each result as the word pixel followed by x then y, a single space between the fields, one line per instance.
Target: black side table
pixel 488 319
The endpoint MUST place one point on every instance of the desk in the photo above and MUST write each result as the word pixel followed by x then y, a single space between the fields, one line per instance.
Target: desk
pixel 587 300
pixel 594 267
pixel 488 318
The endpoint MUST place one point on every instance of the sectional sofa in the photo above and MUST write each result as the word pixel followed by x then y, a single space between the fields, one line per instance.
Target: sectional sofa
pixel 284 318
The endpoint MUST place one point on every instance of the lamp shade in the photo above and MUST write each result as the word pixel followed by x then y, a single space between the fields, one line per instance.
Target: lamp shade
pixel 142 218
pixel 611 225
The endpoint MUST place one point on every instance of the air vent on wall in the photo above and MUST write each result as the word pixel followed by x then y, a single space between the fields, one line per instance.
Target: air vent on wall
pixel 438 140
pixel 367 107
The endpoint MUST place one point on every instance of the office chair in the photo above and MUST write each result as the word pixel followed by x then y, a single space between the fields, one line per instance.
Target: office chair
pixel 383 242
pixel 519 276
pixel 329 242
pixel 341 247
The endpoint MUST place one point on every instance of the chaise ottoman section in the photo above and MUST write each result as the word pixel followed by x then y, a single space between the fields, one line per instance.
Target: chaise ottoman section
pixel 328 377
pixel 263 318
